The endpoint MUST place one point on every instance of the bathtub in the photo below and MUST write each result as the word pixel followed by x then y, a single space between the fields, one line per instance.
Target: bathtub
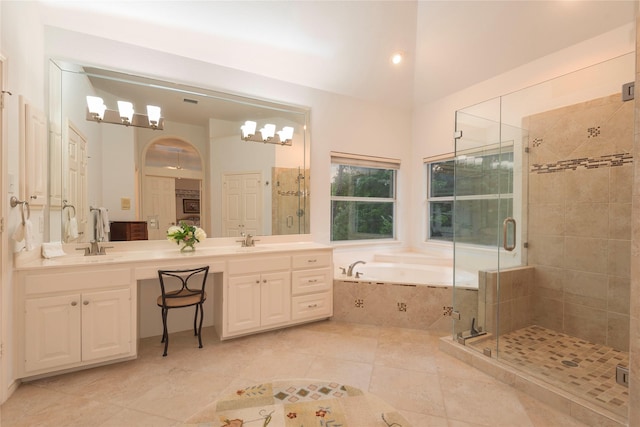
pixel 410 274
pixel 406 293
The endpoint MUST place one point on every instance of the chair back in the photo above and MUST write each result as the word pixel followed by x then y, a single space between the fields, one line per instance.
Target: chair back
pixel 183 285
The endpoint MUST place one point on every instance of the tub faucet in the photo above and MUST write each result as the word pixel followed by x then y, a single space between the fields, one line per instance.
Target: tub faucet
pixel 350 270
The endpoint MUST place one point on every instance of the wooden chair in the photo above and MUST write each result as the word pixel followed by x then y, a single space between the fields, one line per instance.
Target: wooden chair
pixel 182 288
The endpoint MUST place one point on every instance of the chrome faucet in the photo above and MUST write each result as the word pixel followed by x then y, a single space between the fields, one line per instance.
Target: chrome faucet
pixel 94 249
pixel 350 270
pixel 248 240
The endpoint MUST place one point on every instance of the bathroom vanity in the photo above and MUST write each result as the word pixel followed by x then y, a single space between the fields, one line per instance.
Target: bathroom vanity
pixel 79 311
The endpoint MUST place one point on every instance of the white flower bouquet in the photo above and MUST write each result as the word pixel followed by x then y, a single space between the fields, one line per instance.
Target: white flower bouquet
pixel 186 235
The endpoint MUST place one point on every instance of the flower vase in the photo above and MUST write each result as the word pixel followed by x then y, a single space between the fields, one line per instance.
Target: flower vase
pixel 188 247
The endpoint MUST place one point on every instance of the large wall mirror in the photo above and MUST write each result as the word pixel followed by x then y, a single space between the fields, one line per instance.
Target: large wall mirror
pixel 134 179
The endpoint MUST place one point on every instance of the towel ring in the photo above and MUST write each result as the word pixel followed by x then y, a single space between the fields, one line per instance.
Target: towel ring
pixel 66 205
pixel 15 202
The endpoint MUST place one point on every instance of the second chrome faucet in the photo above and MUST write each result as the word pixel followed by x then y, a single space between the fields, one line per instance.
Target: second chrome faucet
pixel 350 269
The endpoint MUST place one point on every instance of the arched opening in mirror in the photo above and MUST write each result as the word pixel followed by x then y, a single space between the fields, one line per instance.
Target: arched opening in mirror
pixel 172 186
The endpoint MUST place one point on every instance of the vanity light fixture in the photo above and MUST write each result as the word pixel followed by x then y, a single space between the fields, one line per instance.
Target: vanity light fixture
pixel 126 112
pixel 153 112
pixel 98 112
pixel 268 131
pixel 96 107
pixel 267 134
pixel 285 134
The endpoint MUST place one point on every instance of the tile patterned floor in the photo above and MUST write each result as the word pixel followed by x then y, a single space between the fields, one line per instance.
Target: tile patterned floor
pixel 580 367
pixel 403 367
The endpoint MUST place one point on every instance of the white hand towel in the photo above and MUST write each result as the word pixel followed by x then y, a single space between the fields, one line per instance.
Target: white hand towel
pixel 52 249
pixel 98 226
pixel 104 215
pixel 24 231
pixel 18 235
pixel 72 228
pixel 28 235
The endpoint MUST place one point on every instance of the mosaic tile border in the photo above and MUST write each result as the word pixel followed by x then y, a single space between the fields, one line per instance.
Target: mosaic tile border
pixel 609 160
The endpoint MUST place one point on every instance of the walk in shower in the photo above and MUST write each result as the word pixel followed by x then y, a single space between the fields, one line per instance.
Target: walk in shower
pixel 542 210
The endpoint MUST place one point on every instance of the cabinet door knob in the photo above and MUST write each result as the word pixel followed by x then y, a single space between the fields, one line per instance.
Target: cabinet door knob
pixel 264 281
pixel 85 302
pixel 74 303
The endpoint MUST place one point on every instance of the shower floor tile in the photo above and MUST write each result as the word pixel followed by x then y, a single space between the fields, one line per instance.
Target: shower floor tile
pixel 582 368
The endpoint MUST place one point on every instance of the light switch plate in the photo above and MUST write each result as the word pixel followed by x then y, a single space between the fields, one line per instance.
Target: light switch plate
pixel 125 203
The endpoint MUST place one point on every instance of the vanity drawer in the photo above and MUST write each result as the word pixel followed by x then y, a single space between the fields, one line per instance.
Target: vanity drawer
pixel 308 281
pixel 90 279
pixel 313 306
pixel 259 265
pixel 312 260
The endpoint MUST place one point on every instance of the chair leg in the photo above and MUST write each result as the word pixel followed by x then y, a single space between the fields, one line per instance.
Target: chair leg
pixel 164 326
pixel 195 321
pixel 200 327
pixel 165 333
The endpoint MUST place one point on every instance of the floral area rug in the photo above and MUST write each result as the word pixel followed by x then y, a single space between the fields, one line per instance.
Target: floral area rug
pixel 300 403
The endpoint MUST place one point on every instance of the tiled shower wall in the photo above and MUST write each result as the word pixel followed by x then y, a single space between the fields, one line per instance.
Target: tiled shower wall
pixel 289 201
pixel 509 304
pixel 580 183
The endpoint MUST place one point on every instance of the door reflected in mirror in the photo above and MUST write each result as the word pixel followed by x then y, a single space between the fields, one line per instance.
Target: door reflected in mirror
pixel 192 164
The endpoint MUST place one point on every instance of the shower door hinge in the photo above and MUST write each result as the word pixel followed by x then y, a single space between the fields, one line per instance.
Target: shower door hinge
pixel 622 375
pixel 627 91
pixel 525 245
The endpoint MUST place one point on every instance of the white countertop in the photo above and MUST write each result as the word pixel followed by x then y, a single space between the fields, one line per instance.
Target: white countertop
pixel 156 250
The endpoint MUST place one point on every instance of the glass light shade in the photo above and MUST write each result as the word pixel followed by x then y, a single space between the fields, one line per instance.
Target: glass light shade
pixel 268 131
pixel 96 106
pixel 248 129
pixel 153 113
pixel 126 110
pixel 286 133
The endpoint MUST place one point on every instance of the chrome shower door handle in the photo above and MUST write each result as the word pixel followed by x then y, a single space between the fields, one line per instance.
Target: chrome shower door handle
pixel 505 228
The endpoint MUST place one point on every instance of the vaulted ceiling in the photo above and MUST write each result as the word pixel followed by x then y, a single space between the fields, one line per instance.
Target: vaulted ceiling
pixel 345 46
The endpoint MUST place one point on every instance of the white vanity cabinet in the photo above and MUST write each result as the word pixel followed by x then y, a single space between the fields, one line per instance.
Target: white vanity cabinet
pixel 76 312
pixel 259 295
pixel 67 320
pixel 267 291
pixel 312 285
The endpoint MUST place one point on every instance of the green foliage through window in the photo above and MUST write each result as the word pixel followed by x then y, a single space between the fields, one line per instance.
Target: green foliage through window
pixel 469 197
pixel 362 202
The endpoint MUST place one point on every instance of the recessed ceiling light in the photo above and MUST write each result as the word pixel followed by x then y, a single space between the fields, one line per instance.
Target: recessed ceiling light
pixel 397 57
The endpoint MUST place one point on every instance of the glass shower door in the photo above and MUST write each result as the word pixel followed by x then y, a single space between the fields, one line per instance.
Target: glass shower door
pixel 487 216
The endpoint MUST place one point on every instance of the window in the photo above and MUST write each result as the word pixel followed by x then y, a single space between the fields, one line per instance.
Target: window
pixel 483 186
pixel 363 197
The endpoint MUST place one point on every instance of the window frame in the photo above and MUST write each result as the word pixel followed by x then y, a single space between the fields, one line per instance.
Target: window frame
pixel 371 162
pixel 429 199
